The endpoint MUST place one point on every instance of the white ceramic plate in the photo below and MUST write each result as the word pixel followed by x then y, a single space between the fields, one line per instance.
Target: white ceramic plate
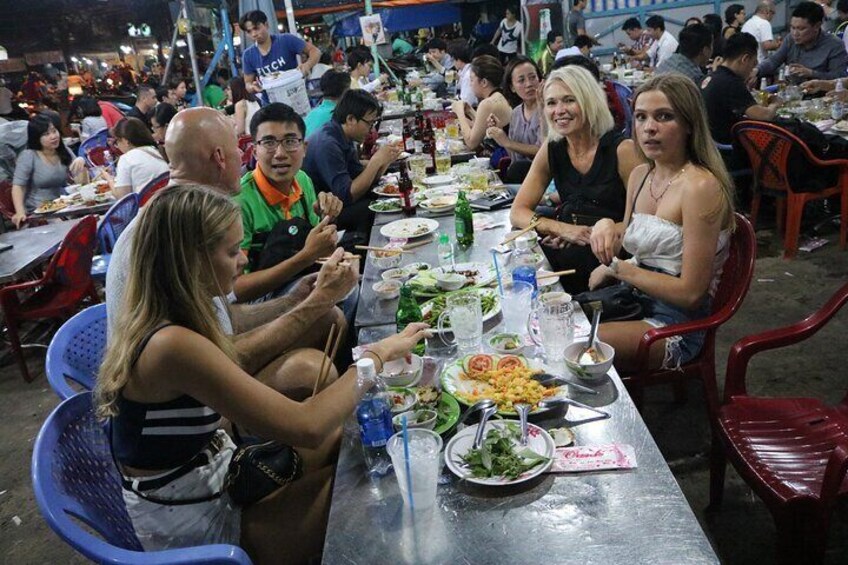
pixel 379 191
pixel 439 180
pixel 538 440
pixel 378 206
pixel 409 228
pixel 486 273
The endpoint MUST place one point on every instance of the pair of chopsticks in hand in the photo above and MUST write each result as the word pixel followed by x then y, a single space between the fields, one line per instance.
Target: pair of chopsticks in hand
pixel 345 262
pixel 334 338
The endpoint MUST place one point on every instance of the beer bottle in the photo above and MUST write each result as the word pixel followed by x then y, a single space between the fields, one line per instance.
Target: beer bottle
pixel 430 144
pixel 464 222
pixel 408 141
pixel 406 190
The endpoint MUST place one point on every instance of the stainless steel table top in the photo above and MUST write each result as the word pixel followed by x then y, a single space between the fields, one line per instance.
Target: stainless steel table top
pixel 374 312
pixel 628 517
pixel 31 246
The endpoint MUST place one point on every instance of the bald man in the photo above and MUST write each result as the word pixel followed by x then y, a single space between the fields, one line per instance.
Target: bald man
pixel 278 341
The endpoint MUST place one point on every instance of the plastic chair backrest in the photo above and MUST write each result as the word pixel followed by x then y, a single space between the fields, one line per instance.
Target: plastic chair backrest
pixel 74 477
pixel 116 220
pixel 768 147
pixel 7 207
pixel 76 351
pixel 71 264
pixel 625 94
pixel 153 187
pixel 99 139
pixel 738 270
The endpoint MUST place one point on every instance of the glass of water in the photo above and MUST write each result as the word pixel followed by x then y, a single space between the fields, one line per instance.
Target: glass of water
pixel 556 327
pixel 424 467
pixel 516 302
pixel 465 312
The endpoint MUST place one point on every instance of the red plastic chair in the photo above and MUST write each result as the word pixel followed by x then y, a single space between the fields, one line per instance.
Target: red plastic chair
pixel 59 293
pixel 768 147
pixel 153 187
pixel 793 452
pixel 735 280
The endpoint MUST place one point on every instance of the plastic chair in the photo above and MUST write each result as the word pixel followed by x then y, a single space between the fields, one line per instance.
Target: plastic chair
pixel 625 94
pixel 152 188
pixel 116 219
pixel 57 294
pixel 76 351
pixel 793 452
pixel 75 480
pixel 735 280
pixel 7 206
pixel 98 140
pixel 768 148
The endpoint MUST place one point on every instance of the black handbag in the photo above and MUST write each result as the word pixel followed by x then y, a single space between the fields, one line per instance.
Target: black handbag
pixel 619 303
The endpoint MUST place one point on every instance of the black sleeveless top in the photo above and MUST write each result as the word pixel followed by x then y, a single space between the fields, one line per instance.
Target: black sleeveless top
pixel 597 194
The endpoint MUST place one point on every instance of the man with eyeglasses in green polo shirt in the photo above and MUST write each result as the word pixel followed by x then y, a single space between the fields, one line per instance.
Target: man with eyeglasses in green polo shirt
pixel 279 201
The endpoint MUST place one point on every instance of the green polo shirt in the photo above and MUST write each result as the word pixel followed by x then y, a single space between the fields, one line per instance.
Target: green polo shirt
pixel 318 116
pixel 258 216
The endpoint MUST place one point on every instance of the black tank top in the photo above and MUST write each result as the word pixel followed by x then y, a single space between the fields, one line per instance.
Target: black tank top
pixel 597 194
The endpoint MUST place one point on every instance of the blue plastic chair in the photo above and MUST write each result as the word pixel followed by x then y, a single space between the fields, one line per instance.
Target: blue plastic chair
pixel 76 350
pixel 99 139
pixel 111 226
pixel 625 94
pixel 73 476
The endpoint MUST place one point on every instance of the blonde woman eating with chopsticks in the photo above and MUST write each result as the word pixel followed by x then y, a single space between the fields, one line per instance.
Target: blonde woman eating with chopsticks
pixel 170 377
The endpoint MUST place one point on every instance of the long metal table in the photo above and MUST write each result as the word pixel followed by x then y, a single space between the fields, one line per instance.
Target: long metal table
pixel 632 516
pixel 30 246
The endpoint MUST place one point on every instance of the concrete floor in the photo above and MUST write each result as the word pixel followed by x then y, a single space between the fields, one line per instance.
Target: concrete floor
pixel 741 531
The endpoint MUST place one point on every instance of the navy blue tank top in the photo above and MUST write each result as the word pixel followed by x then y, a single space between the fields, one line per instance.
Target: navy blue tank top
pixel 161 435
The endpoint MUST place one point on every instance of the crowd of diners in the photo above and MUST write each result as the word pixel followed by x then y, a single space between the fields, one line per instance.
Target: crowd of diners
pixel 210 324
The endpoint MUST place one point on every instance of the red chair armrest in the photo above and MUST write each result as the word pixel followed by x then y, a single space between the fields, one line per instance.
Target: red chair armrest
pixel 21 286
pixel 834 474
pixel 656 334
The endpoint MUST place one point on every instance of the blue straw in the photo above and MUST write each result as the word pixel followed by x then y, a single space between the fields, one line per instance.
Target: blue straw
pixel 497 270
pixel 406 461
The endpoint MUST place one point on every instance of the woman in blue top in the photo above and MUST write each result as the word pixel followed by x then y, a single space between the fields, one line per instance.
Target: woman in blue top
pixel 170 375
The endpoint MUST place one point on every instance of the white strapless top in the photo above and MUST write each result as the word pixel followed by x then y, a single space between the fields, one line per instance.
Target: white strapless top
pixel 658 243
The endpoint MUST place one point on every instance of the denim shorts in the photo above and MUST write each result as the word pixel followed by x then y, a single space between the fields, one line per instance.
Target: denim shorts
pixel 658 313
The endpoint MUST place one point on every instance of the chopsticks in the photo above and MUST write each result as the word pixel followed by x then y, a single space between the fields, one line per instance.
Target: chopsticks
pixel 556 274
pixel 417 244
pixel 390 250
pixel 512 236
pixel 345 262
pixel 327 360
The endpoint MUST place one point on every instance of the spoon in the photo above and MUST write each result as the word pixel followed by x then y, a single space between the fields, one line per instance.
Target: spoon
pixel 481 427
pixel 551 402
pixel 546 378
pixel 597 308
pixel 523 410
pixel 477 406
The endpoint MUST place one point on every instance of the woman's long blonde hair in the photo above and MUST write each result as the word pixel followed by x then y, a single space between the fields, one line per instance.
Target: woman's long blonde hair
pixel 689 108
pixel 170 280
pixel 589 95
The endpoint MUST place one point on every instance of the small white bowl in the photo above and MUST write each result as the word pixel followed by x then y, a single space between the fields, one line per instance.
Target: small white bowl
pixel 406 400
pixel 589 371
pixel 420 419
pixel 449 281
pixel 400 275
pixel 387 262
pixel 499 341
pixel 401 373
pixel 387 290
pixel 480 162
pixel 414 268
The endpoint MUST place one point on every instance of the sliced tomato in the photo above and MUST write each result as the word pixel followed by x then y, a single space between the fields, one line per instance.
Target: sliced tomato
pixel 480 363
pixel 510 362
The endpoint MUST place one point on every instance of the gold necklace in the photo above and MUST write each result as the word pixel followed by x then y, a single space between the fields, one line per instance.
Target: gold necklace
pixel 667 185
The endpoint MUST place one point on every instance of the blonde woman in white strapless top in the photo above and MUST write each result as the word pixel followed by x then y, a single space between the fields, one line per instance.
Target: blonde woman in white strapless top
pixel 680 211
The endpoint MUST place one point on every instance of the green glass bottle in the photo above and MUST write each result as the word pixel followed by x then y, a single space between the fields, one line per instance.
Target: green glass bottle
pixel 408 312
pixel 464 222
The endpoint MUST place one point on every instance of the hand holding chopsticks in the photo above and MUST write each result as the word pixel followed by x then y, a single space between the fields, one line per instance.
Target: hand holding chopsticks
pixel 516 235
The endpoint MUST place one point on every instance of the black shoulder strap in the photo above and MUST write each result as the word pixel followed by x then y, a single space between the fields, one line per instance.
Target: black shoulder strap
pixel 146 339
pixel 636 197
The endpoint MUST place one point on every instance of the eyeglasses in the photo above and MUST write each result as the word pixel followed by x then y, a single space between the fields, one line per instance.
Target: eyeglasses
pixel 369 122
pixel 290 144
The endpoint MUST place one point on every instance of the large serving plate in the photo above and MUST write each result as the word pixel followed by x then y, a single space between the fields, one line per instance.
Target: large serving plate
pixel 477 274
pixel 409 228
pixel 428 306
pixel 538 440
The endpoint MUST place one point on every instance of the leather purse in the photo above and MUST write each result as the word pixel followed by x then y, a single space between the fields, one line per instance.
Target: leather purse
pixel 619 303
pixel 258 468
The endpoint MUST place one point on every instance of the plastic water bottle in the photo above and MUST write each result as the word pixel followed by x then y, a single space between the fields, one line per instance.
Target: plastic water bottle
pixel 523 262
pixel 375 421
pixel 445 251
pixel 109 162
pixel 838 108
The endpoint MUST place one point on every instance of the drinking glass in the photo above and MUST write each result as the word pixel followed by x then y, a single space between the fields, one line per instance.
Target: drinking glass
pixel 452 129
pixel 418 166
pixel 392 96
pixel 443 162
pixel 556 329
pixel 466 321
pixel 516 301
pixel 479 179
pixel 424 449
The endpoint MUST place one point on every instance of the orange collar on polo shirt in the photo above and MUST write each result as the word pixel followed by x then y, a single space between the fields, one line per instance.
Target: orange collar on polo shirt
pixel 274 196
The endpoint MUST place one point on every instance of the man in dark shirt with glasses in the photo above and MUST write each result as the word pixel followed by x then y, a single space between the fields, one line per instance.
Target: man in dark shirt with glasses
pixel 332 161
